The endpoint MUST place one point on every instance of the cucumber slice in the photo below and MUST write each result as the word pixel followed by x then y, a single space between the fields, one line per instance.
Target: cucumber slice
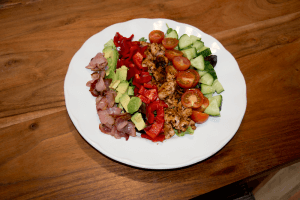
pixel 172 34
pixel 198 45
pixel 204 51
pixel 184 41
pixel 189 53
pixel 213 108
pixel 217 86
pixel 210 69
pixel 201 73
pixel 198 62
pixel 207 79
pixel 208 95
pixel 219 99
pixel 194 38
pixel 206 89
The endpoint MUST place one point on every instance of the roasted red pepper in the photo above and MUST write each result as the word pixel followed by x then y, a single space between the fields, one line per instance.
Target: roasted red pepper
pixel 138 59
pixel 159 138
pixel 144 99
pixel 157 106
pixel 155 129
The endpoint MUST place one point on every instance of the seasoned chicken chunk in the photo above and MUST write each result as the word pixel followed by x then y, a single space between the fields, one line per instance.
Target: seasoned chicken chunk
pixel 166 89
pixel 157 49
pixel 168 131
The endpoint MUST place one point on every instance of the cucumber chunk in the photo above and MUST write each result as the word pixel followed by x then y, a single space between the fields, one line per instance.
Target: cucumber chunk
pixel 217 86
pixel 194 38
pixel 198 45
pixel 219 99
pixel 207 79
pixel 208 95
pixel 213 108
pixel 198 63
pixel 172 34
pixel 201 73
pixel 206 89
pixel 189 53
pixel 184 41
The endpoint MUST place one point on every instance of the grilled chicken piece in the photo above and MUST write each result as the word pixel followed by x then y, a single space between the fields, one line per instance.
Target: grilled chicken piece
pixel 157 49
pixel 149 64
pixel 159 74
pixel 168 131
pixel 166 89
pixel 171 73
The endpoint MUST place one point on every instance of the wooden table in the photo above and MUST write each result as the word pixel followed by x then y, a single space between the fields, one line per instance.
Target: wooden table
pixel 44 156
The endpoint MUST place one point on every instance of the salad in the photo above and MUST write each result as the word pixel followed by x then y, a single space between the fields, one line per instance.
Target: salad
pixel 160 88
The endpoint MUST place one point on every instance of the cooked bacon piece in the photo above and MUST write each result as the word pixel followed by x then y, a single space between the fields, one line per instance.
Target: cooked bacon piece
pixel 97 63
pixel 95 75
pixel 107 83
pixel 100 85
pixel 129 129
pixel 105 129
pixel 98 99
pixel 105 118
pixel 121 123
pixel 110 96
pixel 102 104
pixel 114 111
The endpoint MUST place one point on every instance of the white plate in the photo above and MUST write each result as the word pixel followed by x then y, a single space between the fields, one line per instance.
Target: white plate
pixel 176 152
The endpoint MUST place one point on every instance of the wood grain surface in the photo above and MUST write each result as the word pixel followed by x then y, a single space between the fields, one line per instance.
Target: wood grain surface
pixel 44 157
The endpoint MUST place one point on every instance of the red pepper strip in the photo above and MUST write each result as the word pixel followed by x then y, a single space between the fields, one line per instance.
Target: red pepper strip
pixel 159 138
pixel 138 59
pixel 135 83
pixel 144 99
pixel 150 85
pixel 155 129
pixel 151 94
pixel 142 50
pixel 142 90
pixel 136 91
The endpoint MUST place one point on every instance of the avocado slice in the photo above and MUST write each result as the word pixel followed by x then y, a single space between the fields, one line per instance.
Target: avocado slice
pixel 117 98
pixel 122 73
pixel 130 90
pixel 114 84
pixel 137 119
pixel 122 87
pixel 134 104
pixel 124 100
pixel 112 56
pixel 110 43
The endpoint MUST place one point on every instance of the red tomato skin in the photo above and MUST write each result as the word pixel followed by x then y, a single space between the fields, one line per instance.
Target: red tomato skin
pixel 185 79
pixel 156 36
pixel 204 105
pixel 181 63
pixel 170 43
pixel 170 54
pixel 191 99
pixel 199 117
pixel 197 76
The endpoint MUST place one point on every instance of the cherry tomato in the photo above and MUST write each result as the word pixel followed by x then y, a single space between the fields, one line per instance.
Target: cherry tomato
pixel 185 79
pixel 204 105
pixel 170 43
pixel 197 76
pixel 170 54
pixel 192 98
pixel 199 117
pixel 156 36
pixel 181 63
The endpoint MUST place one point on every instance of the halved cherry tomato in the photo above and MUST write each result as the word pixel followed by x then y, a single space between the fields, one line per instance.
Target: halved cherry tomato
pixel 192 98
pixel 199 117
pixel 204 105
pixel 170 43
pixel 197 76
pixel 181 63
pixel 170 54
pixel 156 36
pixel 185 79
